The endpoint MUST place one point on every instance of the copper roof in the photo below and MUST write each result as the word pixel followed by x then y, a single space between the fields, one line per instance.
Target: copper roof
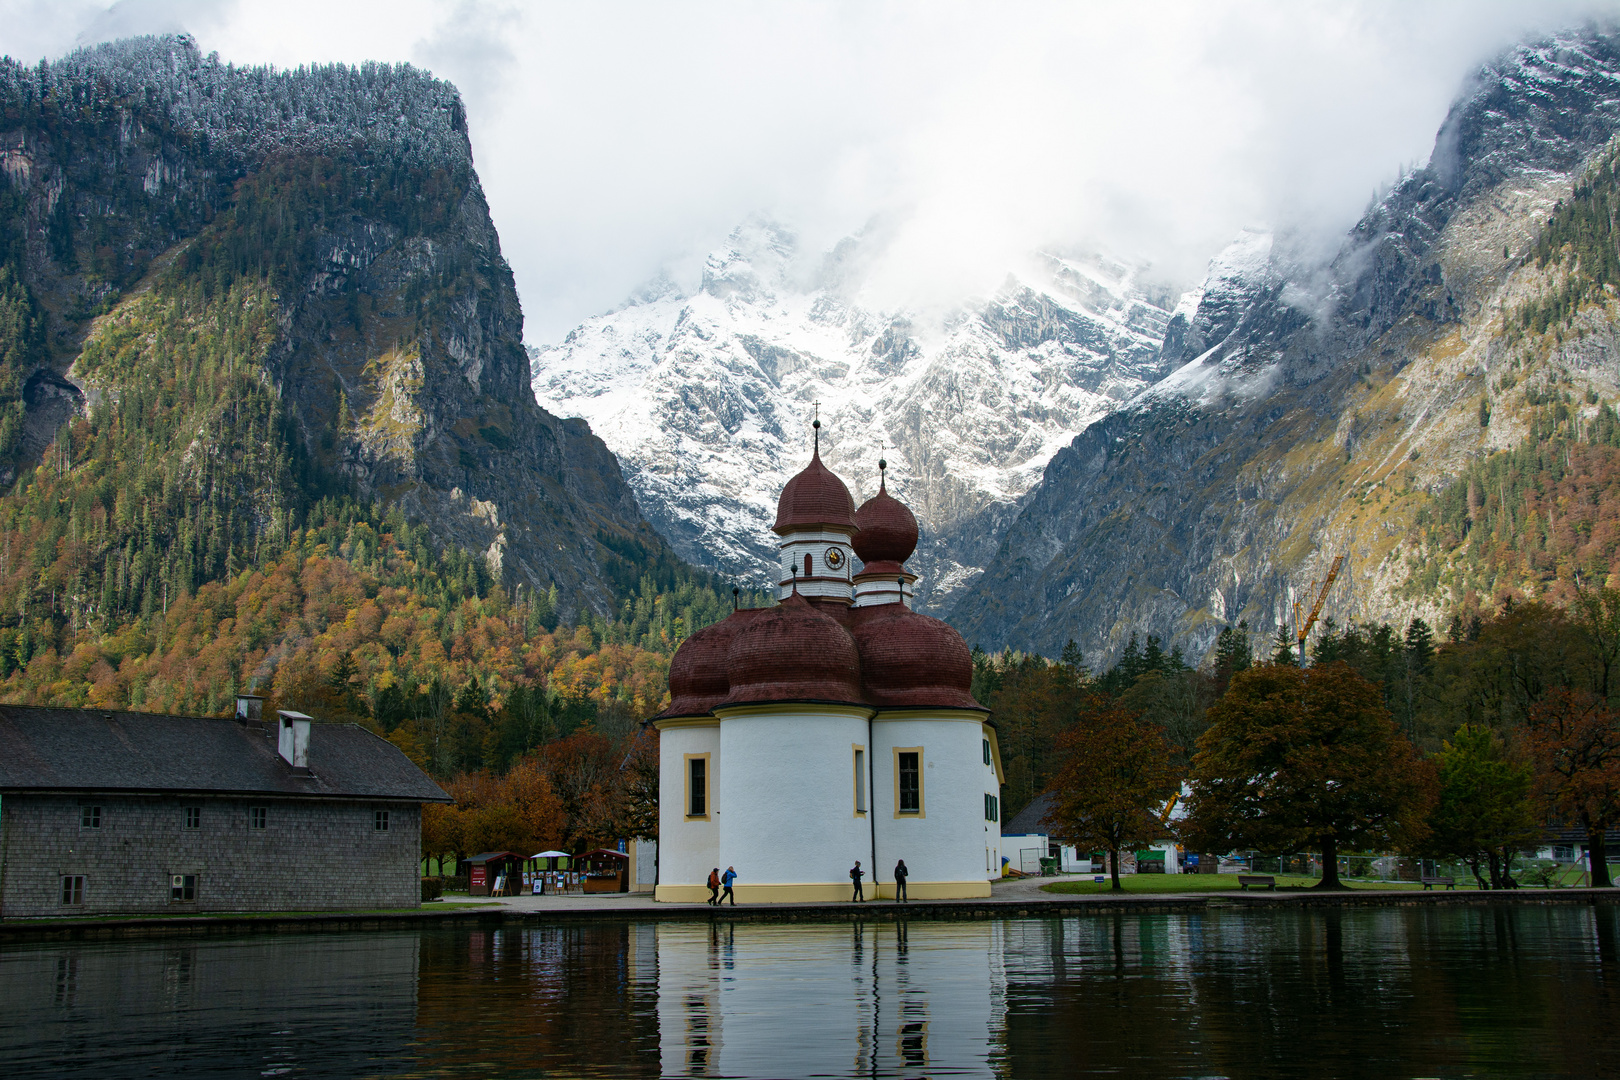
pixel 793 652
pixel 814 497
pixel 888 530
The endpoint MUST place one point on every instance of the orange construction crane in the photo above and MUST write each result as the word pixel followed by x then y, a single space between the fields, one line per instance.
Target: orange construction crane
pixel 1316 610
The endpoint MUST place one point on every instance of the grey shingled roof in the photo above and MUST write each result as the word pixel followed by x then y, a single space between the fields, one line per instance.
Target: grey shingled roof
pixel 1027 821
pixel 95 750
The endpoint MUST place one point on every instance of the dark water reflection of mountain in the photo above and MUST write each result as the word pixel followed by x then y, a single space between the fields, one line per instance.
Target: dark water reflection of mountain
pixel 1432 992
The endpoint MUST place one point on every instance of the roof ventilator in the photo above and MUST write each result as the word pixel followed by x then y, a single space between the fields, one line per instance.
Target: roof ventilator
pixel 293 743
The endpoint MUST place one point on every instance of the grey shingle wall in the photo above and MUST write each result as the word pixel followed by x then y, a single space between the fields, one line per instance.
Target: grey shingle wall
pixel 312 855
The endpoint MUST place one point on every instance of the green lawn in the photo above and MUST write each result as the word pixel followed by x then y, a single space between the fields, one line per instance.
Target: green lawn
pixel 1082 885
pixel 1565 877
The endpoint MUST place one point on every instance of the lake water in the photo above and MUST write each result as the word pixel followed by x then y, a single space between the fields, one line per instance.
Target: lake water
pixel 1392 992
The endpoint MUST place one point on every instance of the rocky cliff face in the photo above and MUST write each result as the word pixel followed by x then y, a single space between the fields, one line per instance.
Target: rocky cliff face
pixel 707 398
pixel 398 354
pixel 1317 407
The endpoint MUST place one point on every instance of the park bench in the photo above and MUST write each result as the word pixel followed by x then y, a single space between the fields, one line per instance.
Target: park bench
pixel 1431 882
pixel 1257 880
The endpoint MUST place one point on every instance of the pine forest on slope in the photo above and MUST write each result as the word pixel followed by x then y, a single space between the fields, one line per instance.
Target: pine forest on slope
pixel 263 395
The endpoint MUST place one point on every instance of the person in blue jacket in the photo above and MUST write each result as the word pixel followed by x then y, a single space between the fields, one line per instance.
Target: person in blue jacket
pixel 726 880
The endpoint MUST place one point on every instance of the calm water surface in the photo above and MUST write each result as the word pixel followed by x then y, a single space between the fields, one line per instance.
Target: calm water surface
pixel 1441 992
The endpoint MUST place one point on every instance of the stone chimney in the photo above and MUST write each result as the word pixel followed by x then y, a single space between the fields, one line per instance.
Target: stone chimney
pixel 293 741
pixel 249 707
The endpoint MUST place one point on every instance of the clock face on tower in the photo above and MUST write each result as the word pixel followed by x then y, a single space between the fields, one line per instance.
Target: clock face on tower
pixel 834 558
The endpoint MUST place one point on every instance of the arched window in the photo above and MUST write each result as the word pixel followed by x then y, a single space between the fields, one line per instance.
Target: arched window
pixel 807 565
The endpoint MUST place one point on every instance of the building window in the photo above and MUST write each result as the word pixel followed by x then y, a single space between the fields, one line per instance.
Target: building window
pixel 807 565
pixel 379 821
pixel 182 888
pixel 89 817
pixel 697 785
pixel 73 889
pixel 860 779
pixel 908 790
pixel 258 817
pixel 193 817
pixel 986 750
pixel 992 808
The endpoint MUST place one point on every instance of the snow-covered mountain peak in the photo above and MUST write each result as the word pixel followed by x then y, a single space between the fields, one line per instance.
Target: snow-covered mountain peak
pixel 706 398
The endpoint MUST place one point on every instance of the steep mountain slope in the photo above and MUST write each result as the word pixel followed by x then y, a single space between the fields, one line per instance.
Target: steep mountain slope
pixel 1327 408
pixel 325 231
pixel 707 398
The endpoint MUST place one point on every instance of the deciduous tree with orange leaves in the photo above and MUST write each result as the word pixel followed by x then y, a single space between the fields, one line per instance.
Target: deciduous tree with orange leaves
pixel 1116 774
pixel 1306 758
pixel 1575 737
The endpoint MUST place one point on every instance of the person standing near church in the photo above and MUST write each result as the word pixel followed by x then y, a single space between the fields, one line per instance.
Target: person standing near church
pixel 855 875
pixel 900 873
pixel 714 887
pixel 726 880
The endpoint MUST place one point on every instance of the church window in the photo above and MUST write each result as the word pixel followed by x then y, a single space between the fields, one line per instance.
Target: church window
pixel 807 565
pixel 908 789
pixel 986 750
pixel 991 808
pixel 860 779
pixel 697 785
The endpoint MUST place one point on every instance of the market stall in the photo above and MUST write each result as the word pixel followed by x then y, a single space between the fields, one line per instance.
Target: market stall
pixel 554 876
pixel 605 871
pixel 494 873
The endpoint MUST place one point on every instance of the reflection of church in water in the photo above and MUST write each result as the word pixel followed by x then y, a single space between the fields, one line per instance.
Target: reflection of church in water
pixel 837 725
pixel 902 999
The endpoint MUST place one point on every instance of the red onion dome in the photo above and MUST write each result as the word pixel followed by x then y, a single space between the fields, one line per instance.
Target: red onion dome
pixel 814 497
pixel 697 671
pixel 911 661
pixel 888 530
pixel 793 652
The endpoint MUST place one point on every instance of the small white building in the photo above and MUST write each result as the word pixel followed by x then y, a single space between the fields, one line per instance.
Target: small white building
pixel 836 726
pixel 1026 839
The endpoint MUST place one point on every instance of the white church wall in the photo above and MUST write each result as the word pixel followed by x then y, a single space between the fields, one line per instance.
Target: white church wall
pixel 789 823
pixel 950 844
pixel 689 846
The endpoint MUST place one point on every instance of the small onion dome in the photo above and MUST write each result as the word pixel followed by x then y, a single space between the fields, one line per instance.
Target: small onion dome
pixel 912 661
pixel 814 497
pixel 697 671
pixel 888 532
pixel 793 652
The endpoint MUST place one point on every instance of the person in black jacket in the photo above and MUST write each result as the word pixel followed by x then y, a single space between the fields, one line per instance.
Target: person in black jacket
pixel 855 875
pixel 900 873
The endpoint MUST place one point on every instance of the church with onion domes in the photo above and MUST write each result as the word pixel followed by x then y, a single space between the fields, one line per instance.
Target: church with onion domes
pixel 838 725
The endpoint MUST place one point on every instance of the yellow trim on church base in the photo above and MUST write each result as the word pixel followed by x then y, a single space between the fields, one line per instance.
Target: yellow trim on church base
pixel 825 892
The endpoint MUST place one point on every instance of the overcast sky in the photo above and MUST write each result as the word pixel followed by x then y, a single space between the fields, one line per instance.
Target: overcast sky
pixel 616 140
